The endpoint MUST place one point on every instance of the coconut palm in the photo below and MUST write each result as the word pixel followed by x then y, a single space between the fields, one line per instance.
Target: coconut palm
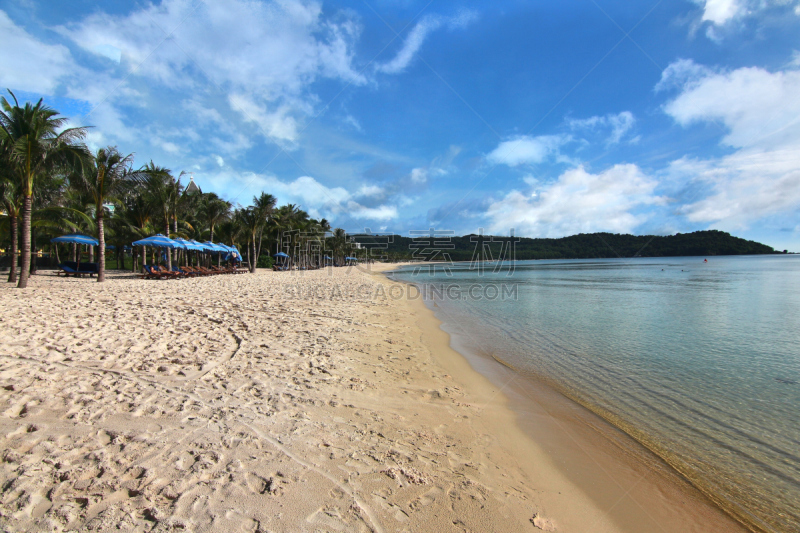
pixel 36 147
pixel 214 210
pixel 103 178
pixel 160 189
pixel 11 200
pixel 264 204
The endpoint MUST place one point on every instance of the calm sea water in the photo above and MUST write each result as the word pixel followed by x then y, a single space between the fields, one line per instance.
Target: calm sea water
pixel 698 361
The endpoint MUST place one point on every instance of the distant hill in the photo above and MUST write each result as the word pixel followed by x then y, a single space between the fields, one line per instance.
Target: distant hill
pixel 582 246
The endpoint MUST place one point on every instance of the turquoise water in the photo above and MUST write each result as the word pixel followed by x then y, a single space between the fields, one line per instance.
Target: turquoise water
pixel 698 361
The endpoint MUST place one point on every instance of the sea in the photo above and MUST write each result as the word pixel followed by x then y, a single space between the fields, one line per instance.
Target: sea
pixel 696 358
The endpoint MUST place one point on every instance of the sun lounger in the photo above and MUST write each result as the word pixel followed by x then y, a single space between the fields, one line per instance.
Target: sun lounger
pixel 167 273
pixel 76 269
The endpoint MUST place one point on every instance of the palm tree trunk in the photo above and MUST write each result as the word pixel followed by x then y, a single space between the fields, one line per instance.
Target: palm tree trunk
pixel 12 274
pixel 101 249
pixel 169 252
pixel 255 254
pixel 26 243
pixel 73 251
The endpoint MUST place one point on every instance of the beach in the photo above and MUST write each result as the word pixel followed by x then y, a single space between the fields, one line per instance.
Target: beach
pixel 325 400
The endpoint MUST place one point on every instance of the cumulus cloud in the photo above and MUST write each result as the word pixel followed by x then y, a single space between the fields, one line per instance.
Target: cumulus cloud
pixel 722 14
pixel 416 37
pixel 681 74
pixel 745 187
pixel 619 124
pixel 759 108
pixel 264 54
pixel 722 11
pixel 578 202
pixel 317 198
pixel 525 149
pixel 761 113
pixel 28 64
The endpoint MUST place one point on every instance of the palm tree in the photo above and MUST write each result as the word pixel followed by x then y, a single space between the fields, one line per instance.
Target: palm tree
pixel 339 242
pixel 11 199
pixel 37 147
pixel 264 205
pixel 214 210
pixel 250 222
pixel 103 178
pixel 160 186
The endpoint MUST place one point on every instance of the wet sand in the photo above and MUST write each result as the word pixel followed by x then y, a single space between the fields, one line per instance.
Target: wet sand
pixel 280 401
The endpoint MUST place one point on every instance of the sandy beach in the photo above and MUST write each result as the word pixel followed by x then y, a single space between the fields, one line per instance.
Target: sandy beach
pixel 280 401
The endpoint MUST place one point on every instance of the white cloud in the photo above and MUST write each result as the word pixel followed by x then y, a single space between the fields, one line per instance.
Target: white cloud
pixel 219 160
pixel 265 55
pixel 28 64
pixel 759 108
pixel 351 120
pixel 681 74
pixel 370 190
pixel 619 124
pixel 316 198
pixel 170 147
pixel 527 150
pixel 383 212
pixel 419 175
pixel 721 11
pixel 578 202
pixel 746 186
pixel 761 113
pixel 411 46
pixel 106 50
pixel 277 125
pixel 416 37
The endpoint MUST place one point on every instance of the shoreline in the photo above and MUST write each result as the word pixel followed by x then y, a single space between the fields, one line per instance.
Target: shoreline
pixel 602 460
pixel 268 402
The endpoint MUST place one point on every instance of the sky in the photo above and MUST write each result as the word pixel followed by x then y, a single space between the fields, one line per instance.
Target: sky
pixel 538 117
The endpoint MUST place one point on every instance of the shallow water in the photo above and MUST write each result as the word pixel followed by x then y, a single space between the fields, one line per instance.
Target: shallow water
pixel 698 361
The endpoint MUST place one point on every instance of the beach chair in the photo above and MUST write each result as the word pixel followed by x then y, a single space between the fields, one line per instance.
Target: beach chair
pixel 149 273
pixel 180 272
pixel 166 273
pixel 66 270
pixel 189 272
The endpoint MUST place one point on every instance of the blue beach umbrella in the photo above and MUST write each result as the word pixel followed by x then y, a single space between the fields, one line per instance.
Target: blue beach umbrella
pixel 189 245
pixel 77 238
pixel 211 247
pixel 281 254
pixel 158 241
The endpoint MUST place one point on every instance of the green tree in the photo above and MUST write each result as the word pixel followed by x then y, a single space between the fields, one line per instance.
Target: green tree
pixel 37 147
pixel 106 175
pixel 11 199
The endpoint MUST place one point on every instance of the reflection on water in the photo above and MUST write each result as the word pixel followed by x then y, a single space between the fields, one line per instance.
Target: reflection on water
pixel 699 361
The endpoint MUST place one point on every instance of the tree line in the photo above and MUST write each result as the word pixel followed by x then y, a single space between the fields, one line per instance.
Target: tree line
pixel 581 246
pixel 51 183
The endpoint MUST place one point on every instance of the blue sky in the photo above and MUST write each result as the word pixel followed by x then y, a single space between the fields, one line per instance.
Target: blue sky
pixel 548 118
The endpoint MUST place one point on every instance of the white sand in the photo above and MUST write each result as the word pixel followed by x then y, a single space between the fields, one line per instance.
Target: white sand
pixel 269 402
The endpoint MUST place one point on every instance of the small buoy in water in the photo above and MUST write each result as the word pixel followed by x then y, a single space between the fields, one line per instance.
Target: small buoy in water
pixel 705 260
